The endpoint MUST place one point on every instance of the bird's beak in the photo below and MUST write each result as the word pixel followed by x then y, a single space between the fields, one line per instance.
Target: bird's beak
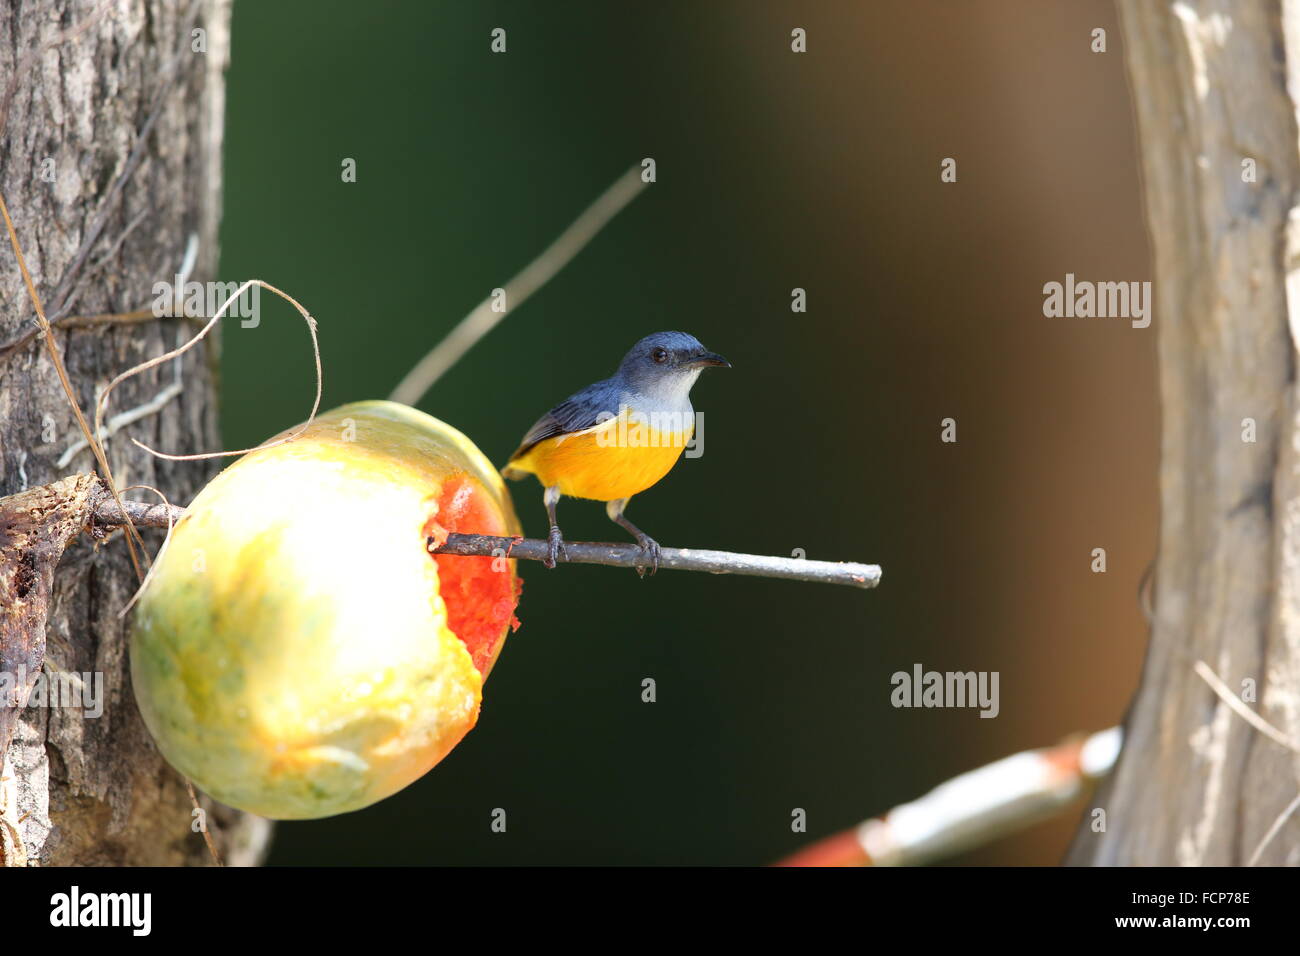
pixel 708 359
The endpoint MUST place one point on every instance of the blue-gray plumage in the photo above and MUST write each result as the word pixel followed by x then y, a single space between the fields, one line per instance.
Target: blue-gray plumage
pixel 580 447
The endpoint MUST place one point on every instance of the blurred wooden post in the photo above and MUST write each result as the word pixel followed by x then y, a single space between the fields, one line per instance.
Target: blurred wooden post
pixel 1215 87
pixel 82 85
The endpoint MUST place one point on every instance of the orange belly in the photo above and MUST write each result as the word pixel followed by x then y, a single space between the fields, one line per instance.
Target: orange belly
pixel 605 463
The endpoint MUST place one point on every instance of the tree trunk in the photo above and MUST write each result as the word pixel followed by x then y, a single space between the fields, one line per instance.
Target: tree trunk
pixel 109 161
pixel 1215 88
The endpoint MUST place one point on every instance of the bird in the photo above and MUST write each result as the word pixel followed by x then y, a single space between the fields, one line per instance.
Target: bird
pixel 617 437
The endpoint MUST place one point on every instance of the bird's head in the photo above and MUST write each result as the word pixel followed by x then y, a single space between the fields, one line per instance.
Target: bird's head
pixel 666 364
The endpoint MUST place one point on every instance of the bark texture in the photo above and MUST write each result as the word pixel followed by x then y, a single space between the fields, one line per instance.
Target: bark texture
pixel 1215 87
pixel 109 161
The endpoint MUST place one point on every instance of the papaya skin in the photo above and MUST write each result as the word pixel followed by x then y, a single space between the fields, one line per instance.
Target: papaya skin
pixel 292 653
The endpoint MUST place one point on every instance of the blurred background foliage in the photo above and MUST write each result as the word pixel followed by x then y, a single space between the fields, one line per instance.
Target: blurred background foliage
pixel 775 170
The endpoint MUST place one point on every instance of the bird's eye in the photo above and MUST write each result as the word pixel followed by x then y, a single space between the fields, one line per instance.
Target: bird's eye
pixel 660 355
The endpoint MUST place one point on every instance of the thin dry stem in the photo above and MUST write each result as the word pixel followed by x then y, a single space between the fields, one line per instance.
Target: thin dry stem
pixel 167 506
pixel 133 537
pixel 198 337
pixel 1226 695
pixel 536 274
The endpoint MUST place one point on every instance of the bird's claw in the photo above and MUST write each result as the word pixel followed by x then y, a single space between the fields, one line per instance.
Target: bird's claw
pixel 555 547
pixel 650 549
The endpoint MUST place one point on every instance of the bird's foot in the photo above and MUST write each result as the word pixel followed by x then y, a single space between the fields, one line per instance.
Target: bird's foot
pixel 555 547
pixel 649 549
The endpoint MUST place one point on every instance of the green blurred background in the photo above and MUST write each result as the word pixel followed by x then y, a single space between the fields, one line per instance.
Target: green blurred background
pixel 775 170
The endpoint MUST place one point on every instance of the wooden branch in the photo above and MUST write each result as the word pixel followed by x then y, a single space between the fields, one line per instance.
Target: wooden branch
pixel 75 790
pixel 148 515
pixel 1214 90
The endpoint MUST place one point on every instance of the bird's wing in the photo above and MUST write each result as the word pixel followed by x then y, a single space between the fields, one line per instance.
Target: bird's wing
pixel 576 413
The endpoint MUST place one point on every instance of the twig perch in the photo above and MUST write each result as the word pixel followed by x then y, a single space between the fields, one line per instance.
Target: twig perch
pixel 143 514
pixel 676 559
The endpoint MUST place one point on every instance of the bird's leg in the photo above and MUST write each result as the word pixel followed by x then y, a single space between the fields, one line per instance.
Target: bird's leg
pixel 555 542
pixel 648 544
